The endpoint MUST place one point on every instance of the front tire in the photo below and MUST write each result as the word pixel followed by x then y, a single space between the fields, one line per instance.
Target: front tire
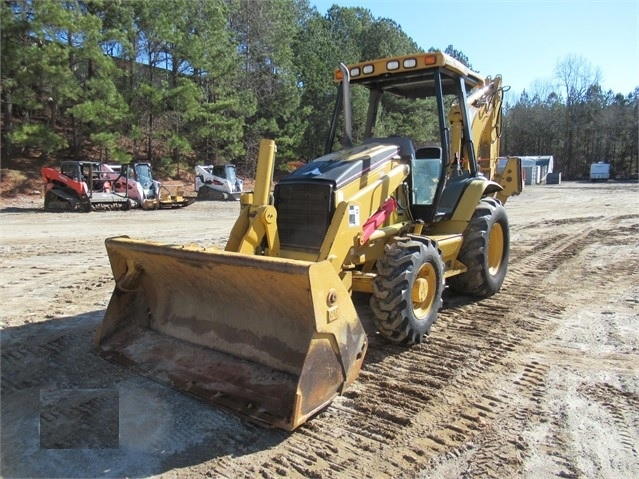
pixel 484 251
pixel 407 291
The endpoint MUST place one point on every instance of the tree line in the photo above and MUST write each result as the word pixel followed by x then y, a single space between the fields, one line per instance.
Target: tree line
pixel 576 121
pixel 180 82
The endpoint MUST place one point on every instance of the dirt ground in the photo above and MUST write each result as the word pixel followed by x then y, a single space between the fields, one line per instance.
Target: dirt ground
pixel 540 380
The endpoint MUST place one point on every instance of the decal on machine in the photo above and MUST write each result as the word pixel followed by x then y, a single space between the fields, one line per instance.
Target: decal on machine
pixel 353 215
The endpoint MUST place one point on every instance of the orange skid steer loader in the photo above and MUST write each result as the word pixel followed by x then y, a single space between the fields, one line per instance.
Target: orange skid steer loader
pixel 267 328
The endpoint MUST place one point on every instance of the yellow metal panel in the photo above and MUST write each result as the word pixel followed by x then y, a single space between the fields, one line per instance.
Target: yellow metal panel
pixel 363 282
pixel 423 61
pixel 510 179
pixel 342 233
pixel 449 244
pixel 469 201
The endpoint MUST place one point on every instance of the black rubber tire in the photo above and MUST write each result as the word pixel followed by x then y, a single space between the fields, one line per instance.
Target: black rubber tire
pixel 408 268
pixel 486 267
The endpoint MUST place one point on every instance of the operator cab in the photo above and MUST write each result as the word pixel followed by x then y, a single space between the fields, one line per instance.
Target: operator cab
pixel 436 80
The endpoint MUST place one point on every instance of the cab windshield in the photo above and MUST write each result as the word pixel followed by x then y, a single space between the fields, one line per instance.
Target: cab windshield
pixel 225 171
pixel 144 176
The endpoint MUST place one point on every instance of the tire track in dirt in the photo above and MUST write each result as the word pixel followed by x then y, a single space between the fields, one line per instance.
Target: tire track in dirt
pixel 59 358
pixel 79 419
pixel 556 251
pixel 439 397
pixel 551 253
pixel 411 410
pixel 621 405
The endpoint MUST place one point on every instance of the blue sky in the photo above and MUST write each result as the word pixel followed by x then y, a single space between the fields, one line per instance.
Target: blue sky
pixel 522 40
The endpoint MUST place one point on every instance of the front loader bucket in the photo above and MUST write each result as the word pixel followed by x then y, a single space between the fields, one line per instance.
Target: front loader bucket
pixel 176 201
pixel 274 340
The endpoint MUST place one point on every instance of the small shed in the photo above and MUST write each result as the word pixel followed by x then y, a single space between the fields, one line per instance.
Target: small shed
pixel 535 168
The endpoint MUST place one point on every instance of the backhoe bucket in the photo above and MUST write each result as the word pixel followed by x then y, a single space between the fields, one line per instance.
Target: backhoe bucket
pixel 272 339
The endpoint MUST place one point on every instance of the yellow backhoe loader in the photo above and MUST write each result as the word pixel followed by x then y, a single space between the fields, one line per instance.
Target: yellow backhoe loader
pixel 267 328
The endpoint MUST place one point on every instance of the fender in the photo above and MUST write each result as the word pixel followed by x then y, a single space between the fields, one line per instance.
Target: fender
pixel 475 191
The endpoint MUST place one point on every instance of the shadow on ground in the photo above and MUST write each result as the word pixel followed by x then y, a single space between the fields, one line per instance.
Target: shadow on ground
pixel 21 209
pixel 56 394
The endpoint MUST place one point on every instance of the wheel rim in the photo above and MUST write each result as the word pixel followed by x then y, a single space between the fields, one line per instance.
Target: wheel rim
pixel 495 248
pixel 424 290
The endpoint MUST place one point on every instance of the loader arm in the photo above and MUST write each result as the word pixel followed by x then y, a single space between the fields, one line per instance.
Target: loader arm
pixel 257 219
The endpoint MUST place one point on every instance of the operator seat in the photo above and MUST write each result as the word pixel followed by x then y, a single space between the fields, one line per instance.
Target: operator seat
pixel 453 189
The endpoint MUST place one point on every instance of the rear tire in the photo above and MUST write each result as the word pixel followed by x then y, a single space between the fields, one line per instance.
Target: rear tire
pixel 407 291
pixel 484 251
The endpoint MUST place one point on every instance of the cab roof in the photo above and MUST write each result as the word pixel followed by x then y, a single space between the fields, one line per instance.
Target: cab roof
pixel 411 76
